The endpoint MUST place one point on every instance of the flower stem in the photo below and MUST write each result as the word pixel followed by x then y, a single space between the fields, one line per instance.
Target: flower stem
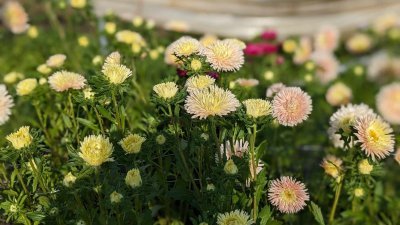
pixel 335 202
pixel 117 113
pixel 254 168
pixel 20 179
pixel 216 139
pixel 38 176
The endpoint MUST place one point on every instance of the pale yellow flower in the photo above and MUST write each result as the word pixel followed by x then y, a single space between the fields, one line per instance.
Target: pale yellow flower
pixel 116 73
pixel 338 94
pixel 364 167
pixel 153 54
pixel 359 192
pixel 97 60
pixel 166 90
pixel 43 69
pixel 385 22
pixel 42 81
pixel 110 27
pixel 150 24
pixel 65 80
pixel 332 165
pixel 160 139
pixel 289 46
pixel 195 64
pixel 25 87
pixel 208 39
pixel 133 178
pixel 95 150
pixel 132 143
pixel 230 167
pixel 268 75
pixel 21 138
pixel 130 37
pixel 137 21
pixel 12 77
pixel 237 217
pixel 199 82
pixel 83 41
pixel 303 51
pixel 359 43
pixel 78 4
pixel 177 26
pixel 33 32
pixel 257 107
pixel 224 55
pixel 185 46
pixel 56 61
pixel 115 197
pixel 69 180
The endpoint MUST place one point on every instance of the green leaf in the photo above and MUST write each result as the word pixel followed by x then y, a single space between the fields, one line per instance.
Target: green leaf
pixel 10 192
pixel 265 215
pixel 316 211
pixel 67 121
pixel 88 123
pixel 105 113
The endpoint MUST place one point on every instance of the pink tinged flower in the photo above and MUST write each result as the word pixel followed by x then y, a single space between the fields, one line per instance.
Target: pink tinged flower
pixel 388 103
pixel 64 80
pixel 224 56
pixel 15 17
pixel 269 35
pixel 375 136
pixel 288 194
pixel 327 39
pixel 240 147
pixel 291 106
pixel 6 103
pixel 303 52
pixel 327 66
pixel 273 89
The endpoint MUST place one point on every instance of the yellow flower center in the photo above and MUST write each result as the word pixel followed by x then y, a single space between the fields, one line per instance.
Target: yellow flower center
pixel 288 195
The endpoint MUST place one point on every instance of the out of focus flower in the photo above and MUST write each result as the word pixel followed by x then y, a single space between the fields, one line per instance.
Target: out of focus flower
pixel 169 57
pixel 332 165
pixel 78 4
pixel 397 155
pixel 338 94
pixel 237 217
pixel 133 178
pixel 150 24
pixel 210 187
pixel 137 21
pixel 273 89
pixel 95 150
pixel 288 195
pixel 211 101
pixel 385 22
pixel 257 107
pixel 247 83
pixel 6 103
pixel 258 49
pixel 230 167
pixel 97 60
pixel 358 192
pixel 110 27
pixel 166 90
pixel 327 39
pixel 239 148
pixel 375 136
pixel 64 80
pixel 42 81
pixel 364 167
pixel 289 46
pixel 154 54
pixel 160 139
pixel 199 82
pixel 83 41
pixel 208 40
pixel 130 37
pixel 359 43
pixel 132 143
pixel 269 35
pixel 268 75
pixel 56 61
pixel 25 87
pixel 33 32
pixel 20 138
pixel 69 180
pixel 303 51
pixel 88 93
pixel 12 77
pixel 15 17
pixel 115 197
pixel 185 46
pixel 224 55
pixel 327 66
pixel 43 69
pixel 388 103
pixel 291 106
pixel 177 26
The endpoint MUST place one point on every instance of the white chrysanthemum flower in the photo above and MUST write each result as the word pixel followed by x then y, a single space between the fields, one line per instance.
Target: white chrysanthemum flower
pixel 95 150
pixel 166 90
pixel 56 61
pixel 64 80
pixel 185 46
pixel 347 116
pixel 15 17
pixel 211 101
pixel 224 55
pixel 199 82
pixel 116 73
pixel 237 217
pixel 6 103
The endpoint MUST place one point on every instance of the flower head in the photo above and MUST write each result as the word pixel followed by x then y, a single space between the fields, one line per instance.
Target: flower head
pixel 110 27
pixel 359 43
pixel 303 51
pixel 359 192
pixel 65 80
pixel 43 69
pixel 33 32
pixel 25 87
pixel 69 180
pixel 288 195
pixel 113 58
pixel 56 60
pixel 208 39
pixel 185 46
pixel 6 103
pixel 327 66
pixel 12 77
pixel 177 26
pixel 169 57
pixel 388 103
pixel 166 90
pixel 273 89
pixel 95 150
pixel 375 136
pixel 199 82
pixel 239 148
pixel 133 178
pixel 332 165
pixel 347 115
pixel 230 167
pixel 291 106
pixel 257 107
pixel 385 22
pixel 327 39
pixel 132 143
pixel 247 83
pixel 364 167
pixel 15 17
pixel 21 138
pixel 224 55
pixel 338 94
pixel 115 72
pixel 237 217
pixel 211 101
pixel 130 37
pixel 115 197
pixel 78 4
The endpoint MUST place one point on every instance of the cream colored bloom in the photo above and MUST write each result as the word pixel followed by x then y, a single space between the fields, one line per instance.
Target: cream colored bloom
pixel 247 83
pixel 237 217
pixel 289 46
pixel 97 60
pixel 133 178
pixel 338 94
pixel 33 32
pixel 56 61
pixel 332 165
pixel 115 197
pixel 177 26
pixel 185 46
pixel 397 155
pixel 160 139
pixel 230 167
pixel 43 69
pixel 88 93
pixel 78 4
pixel 153 53
pixel 150 24
pixel 12 77
pixel 42 81
pixel 224 55
pixel 327 39
pixel 385 22
pixel 83 41
pixel 388 102
pixel 116 73
pixel 195 64
pixel 359 192
pixel 364 167
pixel 6 103
pixel 130 37
pixel 132 143
pixel 65 80
pixel 21 138
pixel 110 27
pixel 199 82
pixel 137 21
pixel 69 180
pixel 303 51
pixel 15 17
pixel 211 101
pixel 327 66
pixel 95 150
pixel 257 107
pixel 166 90
pixel 359 43
pixel 25 87
pixel 208 39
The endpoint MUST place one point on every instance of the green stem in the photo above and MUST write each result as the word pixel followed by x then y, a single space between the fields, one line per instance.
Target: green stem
pixel 99 197
pixel 99 119
pixel 38 176
pixel 117 113
pixel 253 168
pixel 335 202
pixel 216 139
pixel 20 179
